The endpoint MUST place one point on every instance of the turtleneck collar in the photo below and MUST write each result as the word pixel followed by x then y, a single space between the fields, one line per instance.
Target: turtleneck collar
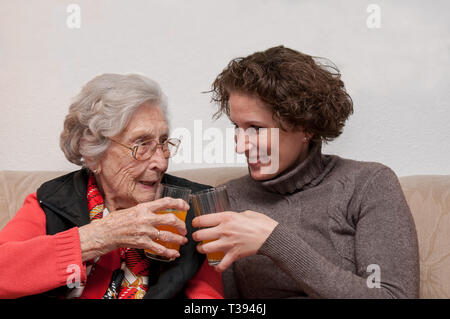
pixel 305 174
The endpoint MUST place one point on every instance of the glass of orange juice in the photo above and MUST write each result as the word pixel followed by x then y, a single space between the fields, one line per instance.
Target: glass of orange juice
pixel 209 201
pixel 164 190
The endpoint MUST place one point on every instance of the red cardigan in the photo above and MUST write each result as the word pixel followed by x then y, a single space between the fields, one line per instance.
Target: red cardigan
pixel 32 262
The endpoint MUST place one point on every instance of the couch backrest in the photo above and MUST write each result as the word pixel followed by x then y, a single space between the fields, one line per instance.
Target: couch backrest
pixel 16 185
pixel 428 198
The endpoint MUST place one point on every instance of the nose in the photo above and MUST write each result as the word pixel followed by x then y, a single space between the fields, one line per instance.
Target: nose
pixel 158 160
pixel 244 144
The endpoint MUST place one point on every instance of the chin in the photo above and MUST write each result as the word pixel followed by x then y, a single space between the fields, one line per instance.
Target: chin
pixel 256 174
pixel 144 193
pixel 143 197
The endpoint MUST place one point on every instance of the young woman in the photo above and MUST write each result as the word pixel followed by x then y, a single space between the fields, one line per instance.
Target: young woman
pixel 320 225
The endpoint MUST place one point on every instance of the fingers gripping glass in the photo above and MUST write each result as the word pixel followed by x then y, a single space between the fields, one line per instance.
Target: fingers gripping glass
pixel 210 201
pixel 143 150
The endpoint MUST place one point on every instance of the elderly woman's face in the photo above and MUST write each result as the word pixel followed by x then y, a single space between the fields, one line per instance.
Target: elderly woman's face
pixel 124 180
pixel 249 112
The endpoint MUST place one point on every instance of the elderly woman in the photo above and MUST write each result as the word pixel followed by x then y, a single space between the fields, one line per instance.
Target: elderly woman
pixel 82 235
pixel 315 225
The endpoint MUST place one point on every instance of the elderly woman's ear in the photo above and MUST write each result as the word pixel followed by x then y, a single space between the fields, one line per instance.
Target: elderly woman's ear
pixel 96 169
pixel 93 166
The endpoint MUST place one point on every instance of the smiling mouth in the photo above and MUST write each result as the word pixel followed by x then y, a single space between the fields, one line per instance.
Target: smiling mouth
pixel 260 161
pixel 148 183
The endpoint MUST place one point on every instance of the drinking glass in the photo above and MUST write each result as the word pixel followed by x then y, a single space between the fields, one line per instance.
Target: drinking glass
pixel 164 190
pixel 209 201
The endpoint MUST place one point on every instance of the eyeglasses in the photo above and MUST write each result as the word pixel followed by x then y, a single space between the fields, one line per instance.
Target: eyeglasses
pixel 143 150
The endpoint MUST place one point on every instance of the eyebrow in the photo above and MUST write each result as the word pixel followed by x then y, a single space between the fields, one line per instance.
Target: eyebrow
pixel 252 123
pixel 145 136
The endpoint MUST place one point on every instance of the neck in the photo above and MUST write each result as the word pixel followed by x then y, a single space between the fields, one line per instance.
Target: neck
pixel 308 170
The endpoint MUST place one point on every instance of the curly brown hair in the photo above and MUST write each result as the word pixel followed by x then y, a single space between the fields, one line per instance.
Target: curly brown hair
pixel 301 90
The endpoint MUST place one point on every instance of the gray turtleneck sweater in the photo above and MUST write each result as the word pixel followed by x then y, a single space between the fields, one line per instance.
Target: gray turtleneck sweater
pixel 345 231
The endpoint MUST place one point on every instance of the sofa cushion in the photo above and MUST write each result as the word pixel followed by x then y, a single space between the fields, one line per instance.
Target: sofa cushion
pixel 15 186
pixel 429 200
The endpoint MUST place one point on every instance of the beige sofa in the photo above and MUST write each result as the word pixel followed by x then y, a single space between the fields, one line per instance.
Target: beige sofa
pixel 427 196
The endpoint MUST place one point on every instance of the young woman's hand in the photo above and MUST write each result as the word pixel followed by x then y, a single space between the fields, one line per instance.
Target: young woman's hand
pixel 237 234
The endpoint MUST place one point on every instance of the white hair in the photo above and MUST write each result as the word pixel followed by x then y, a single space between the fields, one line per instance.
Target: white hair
pixel 103 109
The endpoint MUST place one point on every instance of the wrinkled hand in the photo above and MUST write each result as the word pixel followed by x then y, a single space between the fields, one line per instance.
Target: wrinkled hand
pixel 134 227
pixel 238 234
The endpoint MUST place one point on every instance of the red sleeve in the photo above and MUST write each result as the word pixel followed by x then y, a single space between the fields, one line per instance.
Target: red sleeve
pixel 206 284
pixel 32 262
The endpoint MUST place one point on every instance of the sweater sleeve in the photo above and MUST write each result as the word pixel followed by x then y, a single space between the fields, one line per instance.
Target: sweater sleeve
pixel 32 262
pixel 385 248
pixel 206 284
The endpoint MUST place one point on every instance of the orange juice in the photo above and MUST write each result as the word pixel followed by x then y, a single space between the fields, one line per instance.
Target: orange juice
pixel 181 215
pixel 215 257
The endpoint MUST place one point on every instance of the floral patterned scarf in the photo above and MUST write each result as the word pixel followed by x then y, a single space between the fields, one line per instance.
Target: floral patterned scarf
pixel 131 280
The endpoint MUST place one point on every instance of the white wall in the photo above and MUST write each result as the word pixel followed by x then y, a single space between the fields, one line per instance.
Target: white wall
pixel 398 75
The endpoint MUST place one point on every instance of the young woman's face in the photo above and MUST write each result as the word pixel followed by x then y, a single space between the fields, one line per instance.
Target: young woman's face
pixel 250 117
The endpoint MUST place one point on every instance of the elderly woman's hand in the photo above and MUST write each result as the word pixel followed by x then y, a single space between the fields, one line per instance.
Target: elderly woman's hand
pixel 134 227
pixel 238 234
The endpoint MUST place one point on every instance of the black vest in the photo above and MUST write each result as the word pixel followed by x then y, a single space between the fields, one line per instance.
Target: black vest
pixel 64 202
